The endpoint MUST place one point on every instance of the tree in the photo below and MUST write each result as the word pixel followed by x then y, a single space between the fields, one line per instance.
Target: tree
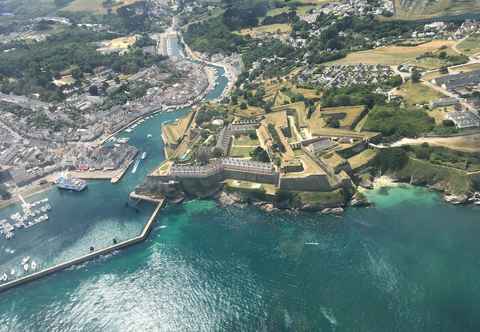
pixel 443 70
pixel 259 154
pixel 391 159
pixel 217 152
pixel 416 75
pixel 243 106
pixel 333 122
pixel 93 90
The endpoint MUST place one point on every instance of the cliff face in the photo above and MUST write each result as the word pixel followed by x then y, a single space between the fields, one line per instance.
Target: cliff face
pixel 431 8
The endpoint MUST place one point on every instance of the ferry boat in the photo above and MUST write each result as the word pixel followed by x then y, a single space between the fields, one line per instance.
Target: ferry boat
pixel 144 155
pixel 135 166
pixel 70 183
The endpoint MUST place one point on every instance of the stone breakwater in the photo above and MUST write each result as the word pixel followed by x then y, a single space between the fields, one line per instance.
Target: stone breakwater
pixel 90 256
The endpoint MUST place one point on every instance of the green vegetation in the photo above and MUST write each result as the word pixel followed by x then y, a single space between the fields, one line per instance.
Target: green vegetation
pixel 351 96
pixel 469 162
pixel 212 36
pixel 395 123
pixel 277 142
pixel 30 68
pixel 259 154
pixel 391 159
pixel 424 172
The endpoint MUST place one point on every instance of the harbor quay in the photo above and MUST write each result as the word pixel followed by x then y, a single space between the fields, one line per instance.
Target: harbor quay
pixel 90 256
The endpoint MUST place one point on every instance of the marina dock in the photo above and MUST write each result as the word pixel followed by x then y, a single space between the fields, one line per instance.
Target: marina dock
pixel 90 256
pixel 122 172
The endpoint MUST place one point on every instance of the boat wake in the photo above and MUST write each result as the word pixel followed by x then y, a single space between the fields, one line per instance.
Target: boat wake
pixel 328 314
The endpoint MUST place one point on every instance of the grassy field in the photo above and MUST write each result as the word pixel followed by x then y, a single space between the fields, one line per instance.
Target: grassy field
pixel 362 159
pixel 352 114
pixel 458 182
pixel 246 140
pixel 393 55
pixel 94 6
pixel 417 93
pixel 241 151
pixel 267 29
pixel 174 131
pixel 118 43
pixel 466 68
pixel 279 119
pixel 414 9
pixel 250 111
pixel 471 45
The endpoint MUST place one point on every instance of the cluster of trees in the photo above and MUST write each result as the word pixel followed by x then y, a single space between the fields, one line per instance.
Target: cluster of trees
pixel 30 68
pixel 391 159
pixel 277 145
pixel 213 36
pixel 440 155
pixel 350 96
pixel 361 32
pixel 285 56
pixel 260 154
pixel 395 123
pixel 4 194
pixel 62 3
pixel 241 15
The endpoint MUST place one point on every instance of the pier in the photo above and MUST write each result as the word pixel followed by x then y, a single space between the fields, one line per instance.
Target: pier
pixel 90 256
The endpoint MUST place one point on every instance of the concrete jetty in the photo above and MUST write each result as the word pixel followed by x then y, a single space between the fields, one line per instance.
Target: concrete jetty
pixel 90 256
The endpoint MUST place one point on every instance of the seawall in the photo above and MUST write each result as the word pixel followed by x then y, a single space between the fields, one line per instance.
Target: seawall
pixel 90 256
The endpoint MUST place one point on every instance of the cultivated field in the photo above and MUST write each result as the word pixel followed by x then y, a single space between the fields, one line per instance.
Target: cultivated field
pixel 415 9
pixel 95 6
pixel 393 55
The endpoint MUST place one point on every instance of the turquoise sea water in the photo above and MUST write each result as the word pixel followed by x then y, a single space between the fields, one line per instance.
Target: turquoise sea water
pixel 411 265
pixel 408 264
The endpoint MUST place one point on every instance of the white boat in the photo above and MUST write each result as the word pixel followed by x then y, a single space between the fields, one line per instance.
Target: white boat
pixel 12 272
pixel 26 267
pixel 33 266
pixel 25 260
pixel 144 155
pixel 4 277
pixel 135 166
pixel 149 136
